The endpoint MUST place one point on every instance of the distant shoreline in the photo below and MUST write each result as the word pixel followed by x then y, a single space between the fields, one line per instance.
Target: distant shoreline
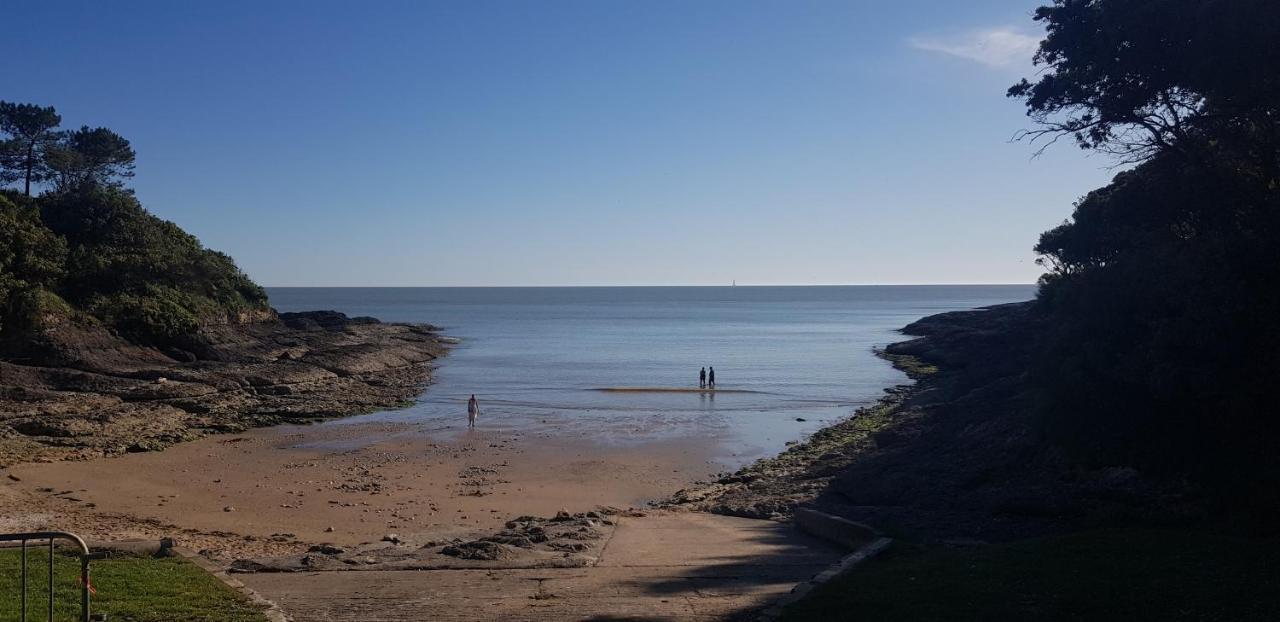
pixel 739 286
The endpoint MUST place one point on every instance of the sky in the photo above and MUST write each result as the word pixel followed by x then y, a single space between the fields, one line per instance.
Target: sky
pixel 592 142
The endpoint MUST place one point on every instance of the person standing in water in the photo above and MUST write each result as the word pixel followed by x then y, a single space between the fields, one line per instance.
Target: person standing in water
pixel 711 378
pixel 702 378
pixel 473 411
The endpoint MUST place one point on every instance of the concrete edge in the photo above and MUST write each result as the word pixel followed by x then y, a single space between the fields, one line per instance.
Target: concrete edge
pixel 845 564
pixel 849 534
pixel 271 610
pixel 152 548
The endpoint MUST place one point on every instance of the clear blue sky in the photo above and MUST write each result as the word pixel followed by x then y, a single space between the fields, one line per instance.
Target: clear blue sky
pixel 565 143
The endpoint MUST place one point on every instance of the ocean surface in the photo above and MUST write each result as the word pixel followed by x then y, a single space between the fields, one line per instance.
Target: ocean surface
pixel 534 355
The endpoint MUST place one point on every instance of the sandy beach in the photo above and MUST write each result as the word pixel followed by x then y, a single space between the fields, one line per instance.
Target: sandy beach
pixel 277 490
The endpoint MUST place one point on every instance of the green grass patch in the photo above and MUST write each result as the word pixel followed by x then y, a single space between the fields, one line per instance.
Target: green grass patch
pixel 129 589
pixel 1099 575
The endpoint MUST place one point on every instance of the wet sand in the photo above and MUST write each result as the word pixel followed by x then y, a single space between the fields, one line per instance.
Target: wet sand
pixel 277 490
pixel 670 390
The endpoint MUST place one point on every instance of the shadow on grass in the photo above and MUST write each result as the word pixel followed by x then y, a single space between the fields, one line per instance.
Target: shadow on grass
pixel 1113 574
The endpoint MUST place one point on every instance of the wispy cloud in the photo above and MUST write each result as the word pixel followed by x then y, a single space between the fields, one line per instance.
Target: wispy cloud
pixel 994 47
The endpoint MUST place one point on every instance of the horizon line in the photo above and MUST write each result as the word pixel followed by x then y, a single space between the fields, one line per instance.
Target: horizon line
pixel 640 286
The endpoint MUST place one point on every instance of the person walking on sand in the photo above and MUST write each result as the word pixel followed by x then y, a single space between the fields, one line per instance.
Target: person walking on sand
pixel 473 411
pixel 711 378
pixel 702 378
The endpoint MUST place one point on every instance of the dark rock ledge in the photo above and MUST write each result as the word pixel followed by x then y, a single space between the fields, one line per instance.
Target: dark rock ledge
pixel 954 457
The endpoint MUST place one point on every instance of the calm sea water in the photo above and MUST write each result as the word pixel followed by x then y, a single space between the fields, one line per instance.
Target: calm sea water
pixel 534 355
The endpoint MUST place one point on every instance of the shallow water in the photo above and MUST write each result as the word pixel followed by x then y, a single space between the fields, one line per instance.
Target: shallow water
pixel 535 355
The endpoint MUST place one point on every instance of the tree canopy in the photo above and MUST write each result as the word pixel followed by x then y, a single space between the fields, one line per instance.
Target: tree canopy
pixel 1163 286
pixel 31 134
pixel 95 157
pixel 35 151
pixel 86 250
pixel 1138 77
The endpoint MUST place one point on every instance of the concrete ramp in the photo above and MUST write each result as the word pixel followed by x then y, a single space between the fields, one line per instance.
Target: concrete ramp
pixel 666 566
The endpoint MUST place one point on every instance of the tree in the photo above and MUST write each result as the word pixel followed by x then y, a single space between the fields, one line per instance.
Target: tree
pixel 1157 345
pixel 1136 77
pixel 91 157
pixel 31 130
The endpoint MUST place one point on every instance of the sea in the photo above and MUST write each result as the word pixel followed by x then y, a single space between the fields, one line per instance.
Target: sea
pixel 788 360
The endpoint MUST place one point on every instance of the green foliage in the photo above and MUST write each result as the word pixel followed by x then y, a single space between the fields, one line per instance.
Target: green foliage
pixel 136 589
pixel 1161 339
pixel 158 315
pixel 31 131
pixel 1138 77
pixel 95 157
pixel 36 307
pixel 143 275
pixel 31 256
pixel 96 250
pixel 1126 574
pixel 35 151
pixel 1164 285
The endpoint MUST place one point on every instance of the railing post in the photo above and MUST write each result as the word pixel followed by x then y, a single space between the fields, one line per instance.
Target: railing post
pixel 50 579
pixel 84 588
pixel 24 580
pixel 52 536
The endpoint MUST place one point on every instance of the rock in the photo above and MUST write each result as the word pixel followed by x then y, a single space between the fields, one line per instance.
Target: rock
pixel 328 529
pixel 229 508
pixel 583 533
pixel 182 356
pixel 114 396
pixel 392 538
pixel 15 477
pixel 326 549
pixel 511 539
pixel 801 419
pixel 479 550
pixel 248 565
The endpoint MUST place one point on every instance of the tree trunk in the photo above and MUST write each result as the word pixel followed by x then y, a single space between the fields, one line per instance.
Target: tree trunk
pixel 31 159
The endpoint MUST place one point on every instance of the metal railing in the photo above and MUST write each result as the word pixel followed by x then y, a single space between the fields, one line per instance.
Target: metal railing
pixel 53 537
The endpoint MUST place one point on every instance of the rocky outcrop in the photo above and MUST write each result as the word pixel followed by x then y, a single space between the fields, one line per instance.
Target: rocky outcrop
pixel 954 457
pixel 563 541
pixel 76 390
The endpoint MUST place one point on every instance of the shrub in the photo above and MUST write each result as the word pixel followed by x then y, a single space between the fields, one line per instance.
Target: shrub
pixel 31 256
pixel 97 250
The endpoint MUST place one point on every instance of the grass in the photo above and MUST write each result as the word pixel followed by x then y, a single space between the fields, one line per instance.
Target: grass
pixel 132 589
pixel 1100 575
